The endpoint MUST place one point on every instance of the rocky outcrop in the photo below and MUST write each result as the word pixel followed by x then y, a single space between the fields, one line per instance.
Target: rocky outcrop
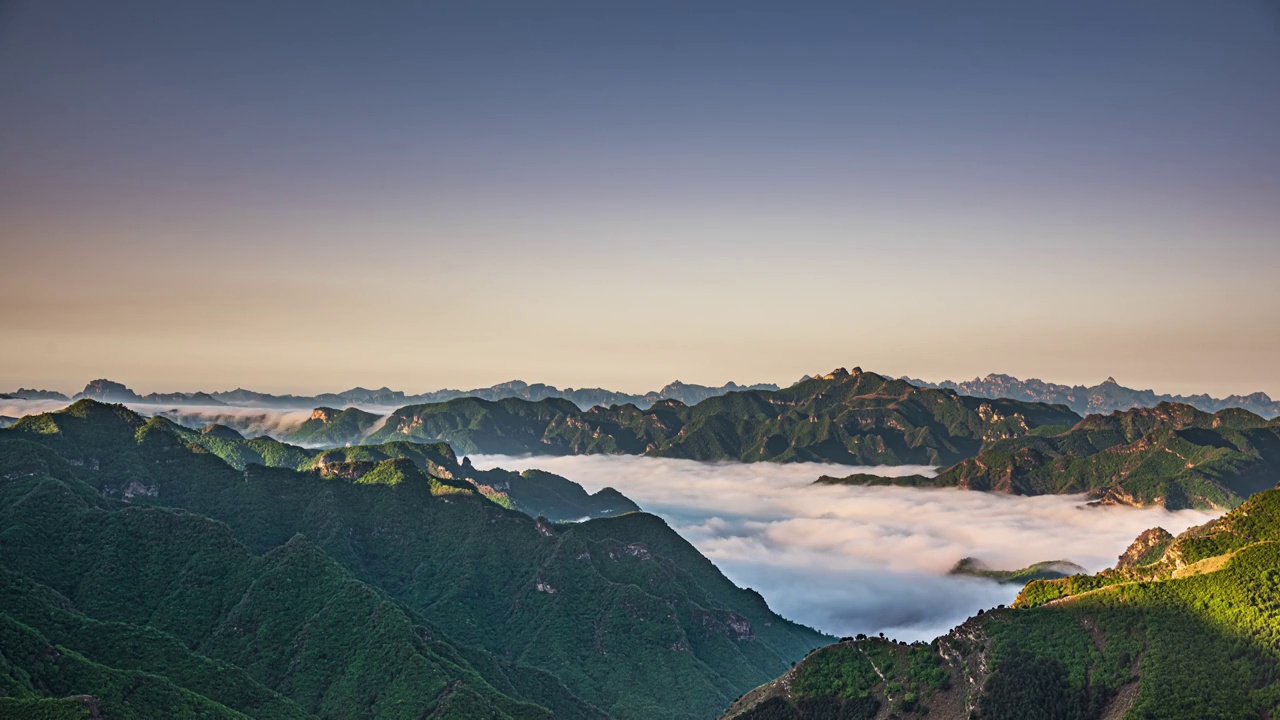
pixel 108 391
pixel 1148 548
pixel 221 431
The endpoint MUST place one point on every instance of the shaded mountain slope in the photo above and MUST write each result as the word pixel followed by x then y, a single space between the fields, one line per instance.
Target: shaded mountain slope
pixel 622 613
pixel 144 589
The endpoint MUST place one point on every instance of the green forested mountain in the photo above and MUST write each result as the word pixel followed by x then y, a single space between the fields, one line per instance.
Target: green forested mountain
pixel 859 418
pixel 329 427
pixel 1181 628
pixel 147 572
pixel 1170 455
pixel 533 492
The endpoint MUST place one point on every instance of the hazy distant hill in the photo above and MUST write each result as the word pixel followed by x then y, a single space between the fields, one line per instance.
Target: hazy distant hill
pixel 856 418
pixel 582 397
pixel 110 391
pixel 1181 628
pixel 1106 397
pixel 33 394
pixel 113 392
pixel 1172 455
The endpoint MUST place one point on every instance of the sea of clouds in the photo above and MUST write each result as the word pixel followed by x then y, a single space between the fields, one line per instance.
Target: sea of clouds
pixel 850 560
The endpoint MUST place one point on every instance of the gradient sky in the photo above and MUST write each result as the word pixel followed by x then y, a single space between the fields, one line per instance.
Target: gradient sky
pixel 305 196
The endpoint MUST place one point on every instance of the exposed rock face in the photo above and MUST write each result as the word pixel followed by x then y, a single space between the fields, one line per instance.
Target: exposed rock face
pixel 323 414
pixel 109 391
pixel 348 470
pixel 104 390
pixel 1146 549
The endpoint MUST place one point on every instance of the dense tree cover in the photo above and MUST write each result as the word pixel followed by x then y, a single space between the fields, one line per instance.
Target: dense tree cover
pixel 328 427
pixel 859 418
pixel 1193 634
pixel 1170 455
pixel 866 678
pixel 533 492
pixel 396 593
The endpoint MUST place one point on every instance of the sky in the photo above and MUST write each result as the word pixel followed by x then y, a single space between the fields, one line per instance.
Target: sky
pixel 307 196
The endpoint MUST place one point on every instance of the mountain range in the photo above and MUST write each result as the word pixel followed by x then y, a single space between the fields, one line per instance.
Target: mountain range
pixel 144 576
pixel 1171 455
pixel 1185 627
pixel 849 417
pixel 1106 397
pixel 113 392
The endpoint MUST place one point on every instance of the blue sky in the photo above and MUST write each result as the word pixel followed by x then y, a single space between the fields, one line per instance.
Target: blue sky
pixel 300 196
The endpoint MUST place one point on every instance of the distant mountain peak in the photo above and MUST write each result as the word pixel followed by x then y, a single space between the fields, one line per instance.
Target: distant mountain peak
pixel 1105 397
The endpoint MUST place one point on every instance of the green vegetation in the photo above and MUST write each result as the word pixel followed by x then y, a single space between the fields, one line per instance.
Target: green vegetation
pixel 387 592
pixel 1048 570
pixel 1170 455
pixel 1185 627
pixel 862 679
pixel 858 418
pixel 328 427
pixel 548 495
pixel 533 492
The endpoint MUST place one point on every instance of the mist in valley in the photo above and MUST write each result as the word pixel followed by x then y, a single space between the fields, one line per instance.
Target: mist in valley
pixel 248 421
pixel 850 560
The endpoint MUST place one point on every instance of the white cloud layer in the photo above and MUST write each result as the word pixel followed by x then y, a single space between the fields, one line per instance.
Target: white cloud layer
pixel 851 559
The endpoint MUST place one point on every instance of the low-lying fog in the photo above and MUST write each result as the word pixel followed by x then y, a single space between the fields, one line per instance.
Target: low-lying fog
pixel 848 560
pixel 248 421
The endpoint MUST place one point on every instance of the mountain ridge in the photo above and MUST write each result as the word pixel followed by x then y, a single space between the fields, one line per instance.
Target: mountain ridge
pixel 1171 455
pixel 857 417
pixel 1105 397
pixel 104 390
